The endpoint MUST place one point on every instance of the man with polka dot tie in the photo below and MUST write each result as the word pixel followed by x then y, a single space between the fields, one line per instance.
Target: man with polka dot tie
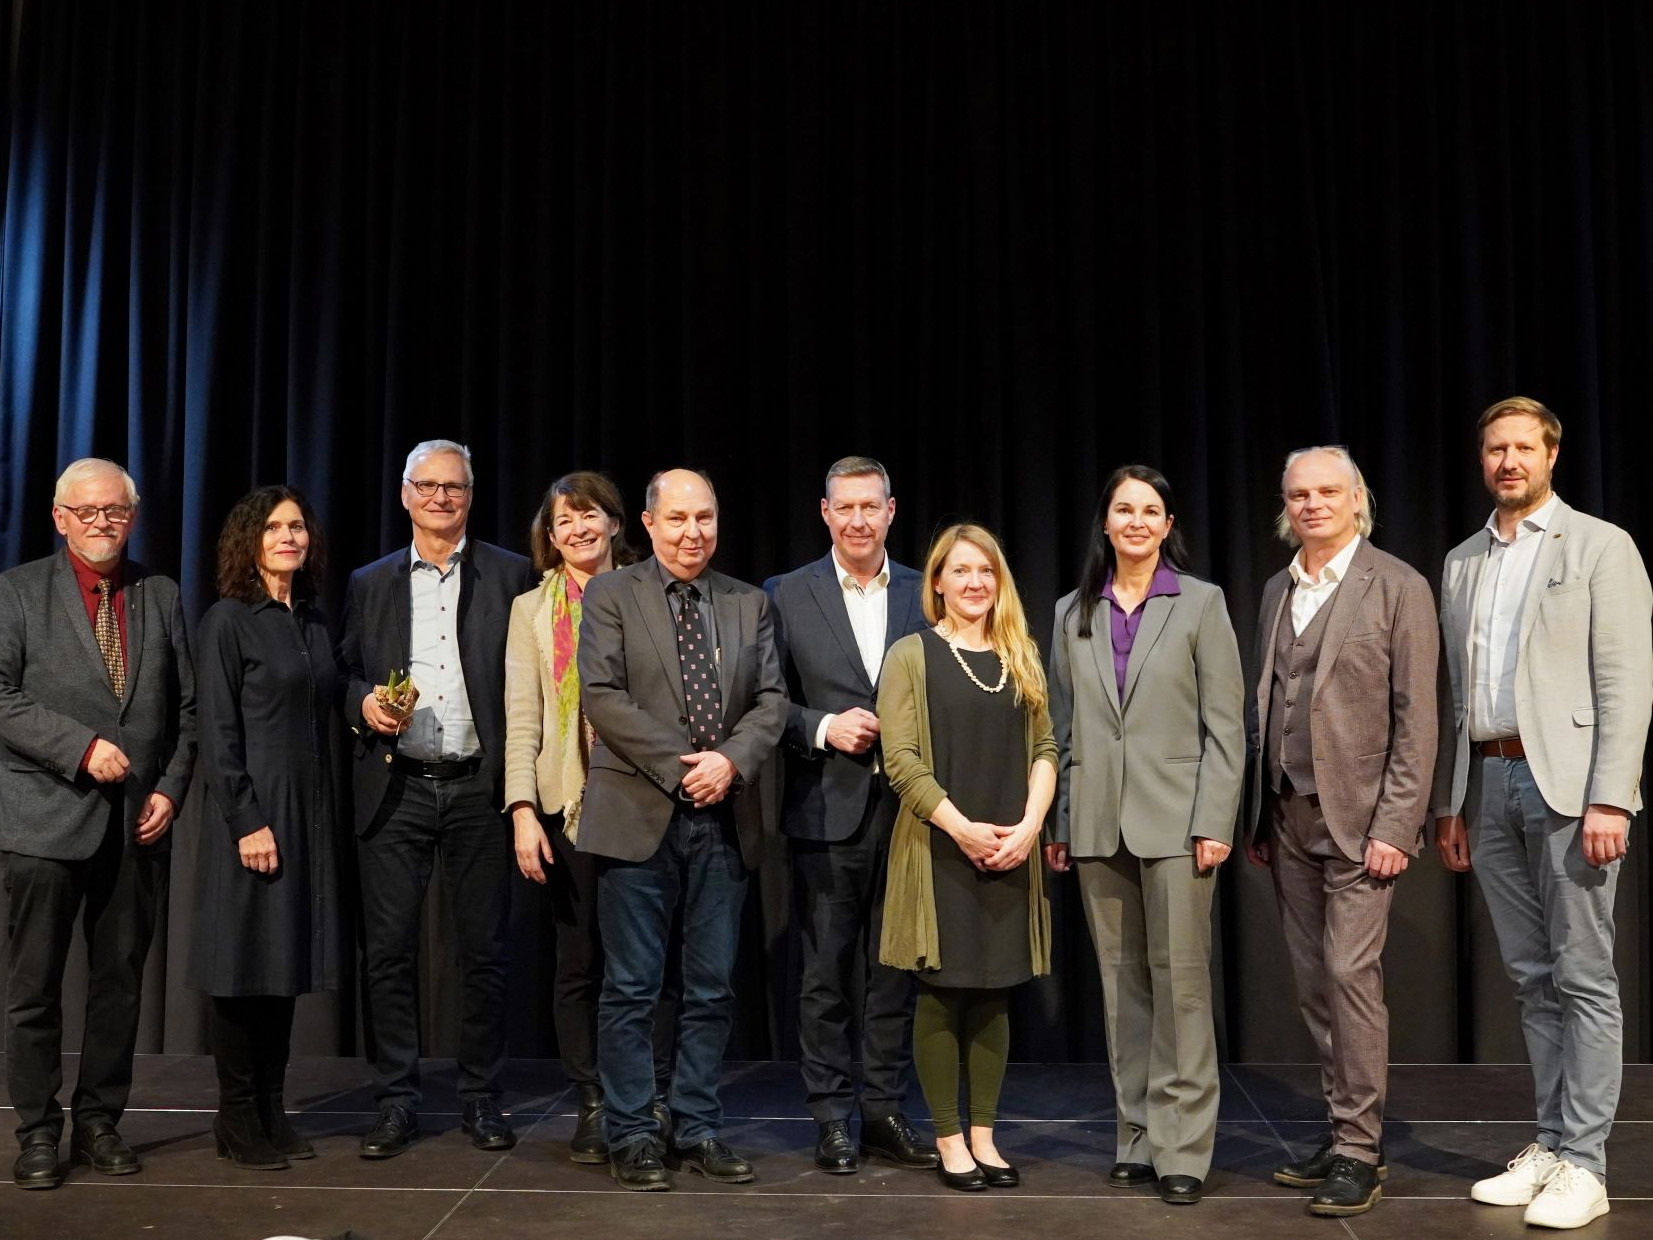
pixel 681 681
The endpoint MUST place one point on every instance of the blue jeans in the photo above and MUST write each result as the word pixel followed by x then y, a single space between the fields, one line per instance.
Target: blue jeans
pixel 697 866
pixel 1553 912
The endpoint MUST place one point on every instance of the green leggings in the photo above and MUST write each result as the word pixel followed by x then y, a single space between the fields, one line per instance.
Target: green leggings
pixel 943 1019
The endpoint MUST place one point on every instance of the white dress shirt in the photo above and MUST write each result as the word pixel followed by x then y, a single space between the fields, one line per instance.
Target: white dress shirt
pixel 441 729
pixel 1313 593
pixel 869 618
pixel 1495 629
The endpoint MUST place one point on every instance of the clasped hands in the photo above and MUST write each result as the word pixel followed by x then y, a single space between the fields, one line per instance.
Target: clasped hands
pixel 990 846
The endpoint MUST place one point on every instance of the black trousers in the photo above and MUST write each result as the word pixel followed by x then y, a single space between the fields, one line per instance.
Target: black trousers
pixel 571 883
pixel 421 821
pixel 839 907
pixel 117 892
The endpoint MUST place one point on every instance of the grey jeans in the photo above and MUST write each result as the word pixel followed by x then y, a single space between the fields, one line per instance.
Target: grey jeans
pixel 1544 895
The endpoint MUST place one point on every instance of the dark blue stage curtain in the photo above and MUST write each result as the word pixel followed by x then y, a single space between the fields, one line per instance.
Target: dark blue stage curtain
pixel 1003 246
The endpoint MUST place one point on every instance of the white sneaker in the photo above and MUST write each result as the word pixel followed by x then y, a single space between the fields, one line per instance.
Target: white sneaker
pixel 1571 1197
pixel 1520 1184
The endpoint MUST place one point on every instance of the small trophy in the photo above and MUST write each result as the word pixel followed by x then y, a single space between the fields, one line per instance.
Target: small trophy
pixel 397 696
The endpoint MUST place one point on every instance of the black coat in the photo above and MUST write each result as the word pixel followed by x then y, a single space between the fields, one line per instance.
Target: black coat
pixel 376 635
pixel 268 686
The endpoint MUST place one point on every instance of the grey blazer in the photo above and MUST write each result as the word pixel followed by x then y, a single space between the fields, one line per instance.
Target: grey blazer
pixel 1583 670
pixel 55 698
pixel 1165 765
pixel 631 686
pixel 1374 703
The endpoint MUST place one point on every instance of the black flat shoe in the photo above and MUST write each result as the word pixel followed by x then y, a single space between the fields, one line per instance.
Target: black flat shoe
pixel 893 1137
pixel 999 1177
pixel 638 1167
pixel 1350 1187
pixel 397 1129
pixel 716 1161
pixel 1310 1172
pixel 36 1166
pixel 834 1151
pixel 99 1146
pixel 1130 1175
pixel 1180 1190
pixel 972 1181
pixel 487 1128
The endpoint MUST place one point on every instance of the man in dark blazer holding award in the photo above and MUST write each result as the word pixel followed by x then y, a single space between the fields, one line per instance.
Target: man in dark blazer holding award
pixel 1342 731
pixel 430 786
pixel 834 619
pixel 97 740
pixel 680 680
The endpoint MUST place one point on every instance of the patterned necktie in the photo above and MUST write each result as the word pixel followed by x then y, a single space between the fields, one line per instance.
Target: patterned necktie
pixel 701 695
pixel 109 640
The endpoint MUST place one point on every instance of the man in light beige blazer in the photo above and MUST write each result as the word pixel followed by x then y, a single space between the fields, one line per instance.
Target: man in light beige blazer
pixel 1548 654
pixel 1343 731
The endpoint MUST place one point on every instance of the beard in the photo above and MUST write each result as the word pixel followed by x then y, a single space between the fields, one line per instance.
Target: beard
pixel 1531 495
pixel 99 552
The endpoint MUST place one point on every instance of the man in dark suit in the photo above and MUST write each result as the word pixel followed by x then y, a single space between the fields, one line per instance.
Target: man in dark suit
pixel 431 786
pixel 97 738
pixel 680 680
pixel 1343 737
pixel 834 619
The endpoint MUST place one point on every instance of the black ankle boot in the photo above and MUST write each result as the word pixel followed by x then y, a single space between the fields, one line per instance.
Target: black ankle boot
pixel 589 1144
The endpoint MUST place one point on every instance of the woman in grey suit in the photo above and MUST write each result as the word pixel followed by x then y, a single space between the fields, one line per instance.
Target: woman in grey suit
pixel 1146 703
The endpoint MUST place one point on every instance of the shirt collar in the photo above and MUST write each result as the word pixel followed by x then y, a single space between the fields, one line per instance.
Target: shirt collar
pixel 667 581
pixel 1539 520
pixel 88 575
pixel 1335 571
pixel 415 559
pixel 881 579
pixel 1164 582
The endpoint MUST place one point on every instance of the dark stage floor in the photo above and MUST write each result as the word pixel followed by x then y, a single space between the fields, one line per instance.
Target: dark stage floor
pixel 1448 1126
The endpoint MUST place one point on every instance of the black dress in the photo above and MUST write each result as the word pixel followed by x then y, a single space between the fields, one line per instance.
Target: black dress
pixel 266 685
pixel 978 743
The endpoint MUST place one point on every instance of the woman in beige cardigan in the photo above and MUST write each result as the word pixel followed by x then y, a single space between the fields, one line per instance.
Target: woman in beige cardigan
pixel 577 533
pixel 967 743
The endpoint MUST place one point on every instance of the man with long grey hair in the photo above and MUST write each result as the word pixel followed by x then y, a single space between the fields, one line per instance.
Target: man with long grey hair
pixel 1342 731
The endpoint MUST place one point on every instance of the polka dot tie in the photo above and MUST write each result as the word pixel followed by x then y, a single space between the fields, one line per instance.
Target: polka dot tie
pixel 108 633
pixel 703 700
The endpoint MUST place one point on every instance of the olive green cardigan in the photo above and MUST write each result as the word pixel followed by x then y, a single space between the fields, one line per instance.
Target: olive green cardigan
pixel 910 939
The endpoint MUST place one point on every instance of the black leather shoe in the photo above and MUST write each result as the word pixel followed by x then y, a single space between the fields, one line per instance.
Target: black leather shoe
pixel 397 1129
pixel 100 1146
pixel 892 1137
pixel 972 1181
pixel 1130 1175
pixel 1350 1187
pixel 834 1151
pixel 1180 1190
pixel 485 1126
pixel 638 1167
pixel 1309 1172
pixel 36 1165
pixel 589 1145
pixel 999 1177
pixel 716 1161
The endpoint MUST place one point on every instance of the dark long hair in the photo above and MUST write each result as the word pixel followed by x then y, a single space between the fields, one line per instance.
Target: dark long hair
pixel 584 489
pixel 242 540
pixel 1099 560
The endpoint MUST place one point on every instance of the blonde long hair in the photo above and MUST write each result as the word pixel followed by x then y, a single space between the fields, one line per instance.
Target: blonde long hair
pixel 1006 625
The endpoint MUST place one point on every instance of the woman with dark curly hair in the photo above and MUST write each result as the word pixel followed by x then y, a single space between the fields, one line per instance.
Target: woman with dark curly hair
pixel 266 909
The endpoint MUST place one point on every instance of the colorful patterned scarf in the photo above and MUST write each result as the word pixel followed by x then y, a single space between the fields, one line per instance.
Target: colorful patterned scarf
pixel 556 628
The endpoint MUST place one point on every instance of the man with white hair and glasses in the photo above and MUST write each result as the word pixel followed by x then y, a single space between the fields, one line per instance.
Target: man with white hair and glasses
pixel 430 786
pixel 97 739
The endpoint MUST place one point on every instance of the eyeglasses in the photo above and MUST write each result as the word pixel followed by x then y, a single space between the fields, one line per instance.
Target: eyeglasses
pixel 115 514
pixel 426 488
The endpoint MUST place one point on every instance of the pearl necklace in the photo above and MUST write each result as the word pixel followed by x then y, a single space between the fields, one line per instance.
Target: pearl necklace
pixel 1004 670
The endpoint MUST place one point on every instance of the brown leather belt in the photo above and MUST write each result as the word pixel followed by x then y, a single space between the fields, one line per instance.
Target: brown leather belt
pixel 1506 747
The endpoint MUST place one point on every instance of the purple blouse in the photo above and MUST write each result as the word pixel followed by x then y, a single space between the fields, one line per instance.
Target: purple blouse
pixel 1122 628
